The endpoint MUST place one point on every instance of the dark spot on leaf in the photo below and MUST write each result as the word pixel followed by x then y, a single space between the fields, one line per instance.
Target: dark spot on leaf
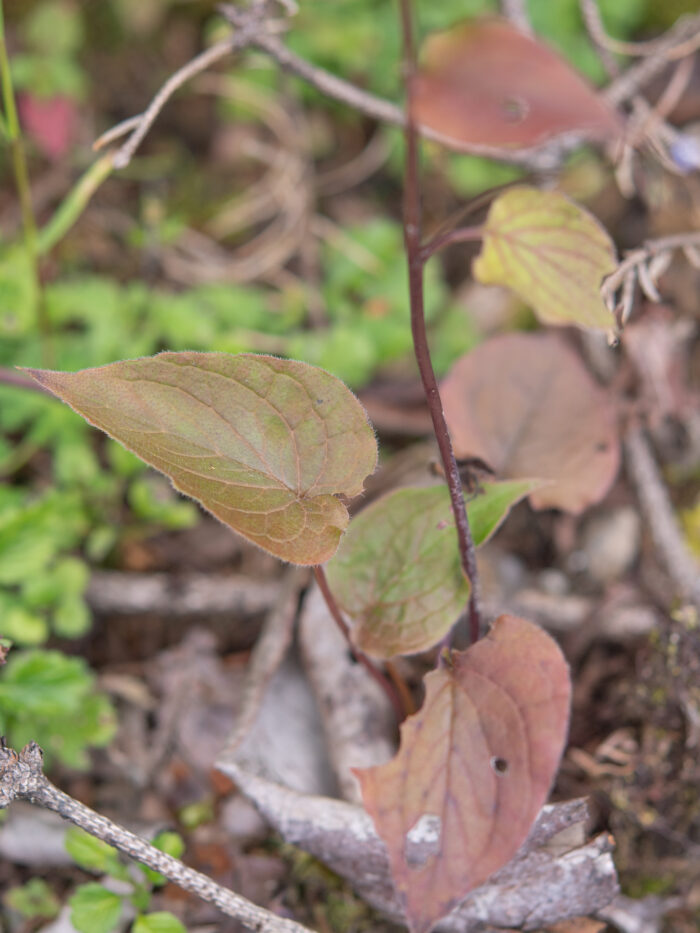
pixel 602 447
pixel 499 765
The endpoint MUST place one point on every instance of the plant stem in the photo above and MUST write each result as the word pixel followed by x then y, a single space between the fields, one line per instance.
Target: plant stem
pixel 657 509
pixel 415 259
pixel 18 380
pixel 386 685
pixel 73 205
pixel 19 168
pixel 460 235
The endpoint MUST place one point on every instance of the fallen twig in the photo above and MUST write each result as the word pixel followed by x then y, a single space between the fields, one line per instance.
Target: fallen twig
pixel 192 594
pixel 266 657
pixel 253 32
pixel 22 778
pixel 675 43
pixel 555 875
pixel 357 717
pixel 645 266
pixel 660 517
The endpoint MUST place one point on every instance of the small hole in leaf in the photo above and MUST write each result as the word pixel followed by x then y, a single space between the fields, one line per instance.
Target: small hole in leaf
pixel 499 765
pixel 515 109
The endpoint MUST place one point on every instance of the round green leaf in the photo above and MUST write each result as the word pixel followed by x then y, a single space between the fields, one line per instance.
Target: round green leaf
pixel 265 444
pixel 159 922
pixel 91 853
pixel 94 909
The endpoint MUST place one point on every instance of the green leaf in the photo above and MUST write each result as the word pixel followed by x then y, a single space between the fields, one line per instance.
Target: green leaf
pixel 159 922
pixel 48 697
pixel 94 909
pixel 18 292
pixel 552 253
pixel 93 725
pixel 33 899
pixel 92 854
pixel 55 27
pixel 265 444
pixel 32 534
pixel 71 618
pixel 397 573
pixel 43 683
pixel 20 624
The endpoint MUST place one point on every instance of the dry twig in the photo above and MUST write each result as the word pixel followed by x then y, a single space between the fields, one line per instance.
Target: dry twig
pixel 22 778
pixel 268 654
pixel 660 517
pixel 645 266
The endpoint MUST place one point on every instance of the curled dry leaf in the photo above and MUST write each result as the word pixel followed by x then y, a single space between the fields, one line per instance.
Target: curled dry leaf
pixel 474 767
pixel 397 574
pixel 264 444
pixel 552 253
pixel 525 404
pixel 484 83
pixel 556 873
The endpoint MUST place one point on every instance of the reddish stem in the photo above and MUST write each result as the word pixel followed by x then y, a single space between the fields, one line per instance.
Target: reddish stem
pixel 415 258
pixel 386 685
pixel 18 380
pixel 461 235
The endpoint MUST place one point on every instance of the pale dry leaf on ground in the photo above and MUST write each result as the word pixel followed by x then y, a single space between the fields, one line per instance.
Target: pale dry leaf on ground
pixel 556 873
pixel 526 405
pixel 485 83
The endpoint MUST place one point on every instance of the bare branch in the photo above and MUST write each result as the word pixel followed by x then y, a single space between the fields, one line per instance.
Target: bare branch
pixel 629 271
pixel 112 592
pixel 658 511
pixel 267 655
pixel 679 39
pixel 671 51
pixel 22 778
pixel 384 111
pixel 142 123
pixel 596 31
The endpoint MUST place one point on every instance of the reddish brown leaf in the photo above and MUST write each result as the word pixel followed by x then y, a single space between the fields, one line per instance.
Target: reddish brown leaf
pixel 484 83
pixel 525 404
pixel 52 123
pixel 474 767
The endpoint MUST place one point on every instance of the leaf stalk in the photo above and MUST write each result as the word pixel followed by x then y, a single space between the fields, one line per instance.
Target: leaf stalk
pixel 387 686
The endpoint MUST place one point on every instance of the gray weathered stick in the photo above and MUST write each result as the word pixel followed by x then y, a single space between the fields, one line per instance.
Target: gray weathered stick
pixel 22 778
